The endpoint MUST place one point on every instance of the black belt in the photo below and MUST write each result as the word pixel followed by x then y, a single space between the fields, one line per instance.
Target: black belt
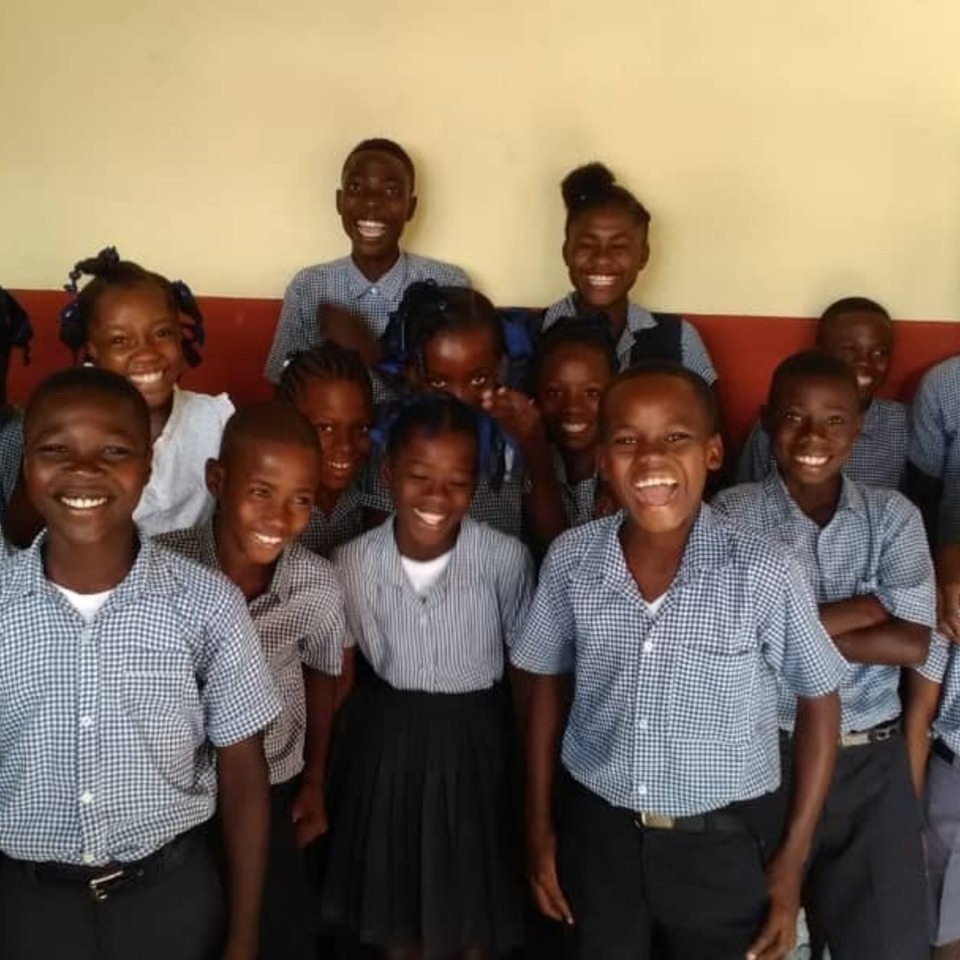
pixel 878 734
pixel 105 880
pixel 717 821
pixel 943 752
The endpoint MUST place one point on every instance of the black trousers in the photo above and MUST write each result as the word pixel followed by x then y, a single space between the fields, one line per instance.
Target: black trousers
pixel 177 913
pixel 865 892
pixel 638 894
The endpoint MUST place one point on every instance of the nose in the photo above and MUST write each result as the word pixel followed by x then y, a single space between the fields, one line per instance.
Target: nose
pixel 461 391
pixel 85 464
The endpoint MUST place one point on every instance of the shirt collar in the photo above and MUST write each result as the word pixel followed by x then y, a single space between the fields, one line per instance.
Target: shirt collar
pixel 390 286
pixel 776 493
pixel 280 581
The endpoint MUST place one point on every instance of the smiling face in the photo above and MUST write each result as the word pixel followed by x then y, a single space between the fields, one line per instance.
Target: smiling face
pixel 264 491
pixel 605 249
pixel 864 341
pixel 86 462
pixel 340 413
pixel 571 381
pixel 137 334
pixel 432 479
pixel 657 446
pixel 464 363
pixel 812 423
pixel 375 201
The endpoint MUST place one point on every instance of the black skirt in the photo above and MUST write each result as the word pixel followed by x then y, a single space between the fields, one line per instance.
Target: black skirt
pixel 423 849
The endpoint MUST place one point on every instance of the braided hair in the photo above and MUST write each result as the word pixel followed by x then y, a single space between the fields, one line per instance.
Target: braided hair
pixel 328 361
pixel 15 327
pixel 109 272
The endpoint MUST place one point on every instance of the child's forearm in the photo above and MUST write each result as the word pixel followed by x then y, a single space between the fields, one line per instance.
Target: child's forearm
pixel 244 804
pixel 922 700
pixel 321 697
pixel 896 643
pixel 348 677
pixel 542 501
pixel 855 613
pixel 816 734
pixel 542 726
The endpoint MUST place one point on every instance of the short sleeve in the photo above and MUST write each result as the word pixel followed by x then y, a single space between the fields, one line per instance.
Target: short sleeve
pixel 905 578
pixel 755 459
pixel 930 437
pixel 322 647
pixel 293 332
pixel 694 352
pixel 515 580
pixel 238 695
pixel 934 668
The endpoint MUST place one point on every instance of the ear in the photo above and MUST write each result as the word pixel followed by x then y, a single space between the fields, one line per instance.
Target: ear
pixel 215 475
pixel 565 250
pixel 766 419
pixel 411 208
pixel 714 453
pixel 645 256
pixel 339 202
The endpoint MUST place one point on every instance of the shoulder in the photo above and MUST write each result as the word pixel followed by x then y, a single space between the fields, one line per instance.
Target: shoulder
pixel 212 408
pixel 941 380
pixel 561 308
pixel 199 593
pixel 884 504
pixel 185 543
pixel 741 546
pixel 310 572
pixel 739 501
pixel 317 273
pixel 362 550
pixel 497 552
pixel 425 268
pixel 581 550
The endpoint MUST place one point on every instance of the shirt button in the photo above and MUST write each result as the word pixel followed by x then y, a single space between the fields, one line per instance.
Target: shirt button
pixel 643 723
pixel 648 646
pixel 374 291
pixel 86 722
pixel 85 635
pixel 88 858
pixel 86 797
pixel 642 790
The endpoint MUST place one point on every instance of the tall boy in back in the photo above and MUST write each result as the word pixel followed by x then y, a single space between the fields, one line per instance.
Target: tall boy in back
pixel 133 695
pixel 264 482
pixel 677 627
pixel 865 555
pixel 376 200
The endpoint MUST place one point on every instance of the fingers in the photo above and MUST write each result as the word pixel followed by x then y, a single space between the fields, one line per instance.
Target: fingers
pixel 774 941
pixel 948 603
pixel 551 901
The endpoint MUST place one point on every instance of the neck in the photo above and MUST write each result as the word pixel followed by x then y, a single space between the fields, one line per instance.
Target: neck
pixel 819 501
pixel 253 579
pixel 325 500
pixel 373 268
pixel 616 314
pixel 654 558
pixel 90 567
pixel 409 548
pixel 579 464
pixel 159 417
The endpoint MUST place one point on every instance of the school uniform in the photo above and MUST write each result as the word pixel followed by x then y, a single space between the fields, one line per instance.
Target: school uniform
pixel 934 449
pixel 340 282
pixel 579 498
pixel 692 352
pixel 326 531
pixel 11 455
pixel 422 854
pixel 299 620
pixel 670 801
pixel 176 496
pixel 878 455
pixel 865 888
pixel 107 775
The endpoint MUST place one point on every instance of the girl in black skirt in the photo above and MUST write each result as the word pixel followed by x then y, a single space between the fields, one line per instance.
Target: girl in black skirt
pixel 423 855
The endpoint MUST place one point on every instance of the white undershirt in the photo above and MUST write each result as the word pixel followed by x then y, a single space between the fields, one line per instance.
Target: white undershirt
pixel 423 574
pixel 654 605
pixel 86 604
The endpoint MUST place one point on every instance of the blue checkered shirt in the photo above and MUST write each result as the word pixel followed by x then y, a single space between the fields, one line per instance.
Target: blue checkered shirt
pixel 339 282
pixel 300 622
pixel 675 712
pixel 452 639
pixel 693 353
pixel 943 666
pixel 935 445
pixel 326 531
pixel 11 456
pixel 874 544
pixel 106 728
pixel 579 499
pixel 878 455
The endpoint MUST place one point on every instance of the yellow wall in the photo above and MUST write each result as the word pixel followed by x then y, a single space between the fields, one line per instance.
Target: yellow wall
pixel 790 152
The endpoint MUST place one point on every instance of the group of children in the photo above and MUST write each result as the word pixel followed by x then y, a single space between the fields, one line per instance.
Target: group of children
pixel 451 607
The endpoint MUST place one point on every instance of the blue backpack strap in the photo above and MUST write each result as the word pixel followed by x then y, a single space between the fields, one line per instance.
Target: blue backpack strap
pixel 662 342
pixel 520 328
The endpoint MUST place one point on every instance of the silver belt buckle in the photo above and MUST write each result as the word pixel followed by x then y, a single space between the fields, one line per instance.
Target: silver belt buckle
pixel 99 886
pixel 655 821
pixel 886 734
pixel 854 739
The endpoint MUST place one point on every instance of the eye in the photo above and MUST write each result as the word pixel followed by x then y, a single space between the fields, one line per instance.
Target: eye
pixel 792 416
pixel 435 383
pixel 118 340
pixel 166 333
pixel 323 428
pixel 881 353
pixel 554 394
pixel 835 421
pixel 305 501
pixel 352 186
pixel 392 192
pixel 260 493
pixel 480 380
pixel 624 441
pixel 51 449
pixel 678 436
pixel 593 393
pixel 114 451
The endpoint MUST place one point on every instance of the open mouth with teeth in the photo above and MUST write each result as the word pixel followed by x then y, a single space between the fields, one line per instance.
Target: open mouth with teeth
pixel 341 466
pixel 371 229
pixel 572 429
pixel 266 541
pixel 656 491
pixel 810 460
pixel 146 379
pixel 601 281
pixel 433 520
pixel 83 503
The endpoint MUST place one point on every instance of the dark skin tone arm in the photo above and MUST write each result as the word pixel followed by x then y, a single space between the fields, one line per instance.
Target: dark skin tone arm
pixel 922 700
pixel 864 632
pixel 948 591
pixel 542 724
pixel 347 678
pixel 814 753
pixel 309 807
pixel 244 805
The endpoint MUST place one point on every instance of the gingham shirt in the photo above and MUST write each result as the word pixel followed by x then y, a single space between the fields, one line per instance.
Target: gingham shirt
pixel 339 282
pixel 874 544
pixel 878 455
pixel 934 446
pixel 325 531
pixel 300 622
pixel 11 456
pixel 943 666
pixel 578 498
pixel 176 496
pixel 676 712
pixel 451 640
pixel 500 508
pixel 106 728
pixel 692 351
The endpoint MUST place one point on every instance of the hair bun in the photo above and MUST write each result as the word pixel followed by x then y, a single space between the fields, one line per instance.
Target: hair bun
pixel 586 182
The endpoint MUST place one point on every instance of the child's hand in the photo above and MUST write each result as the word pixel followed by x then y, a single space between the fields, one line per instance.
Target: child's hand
pixel 515 412
pixel 542 874
pixel 779 933
pixel 309 814
pixel 948 592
